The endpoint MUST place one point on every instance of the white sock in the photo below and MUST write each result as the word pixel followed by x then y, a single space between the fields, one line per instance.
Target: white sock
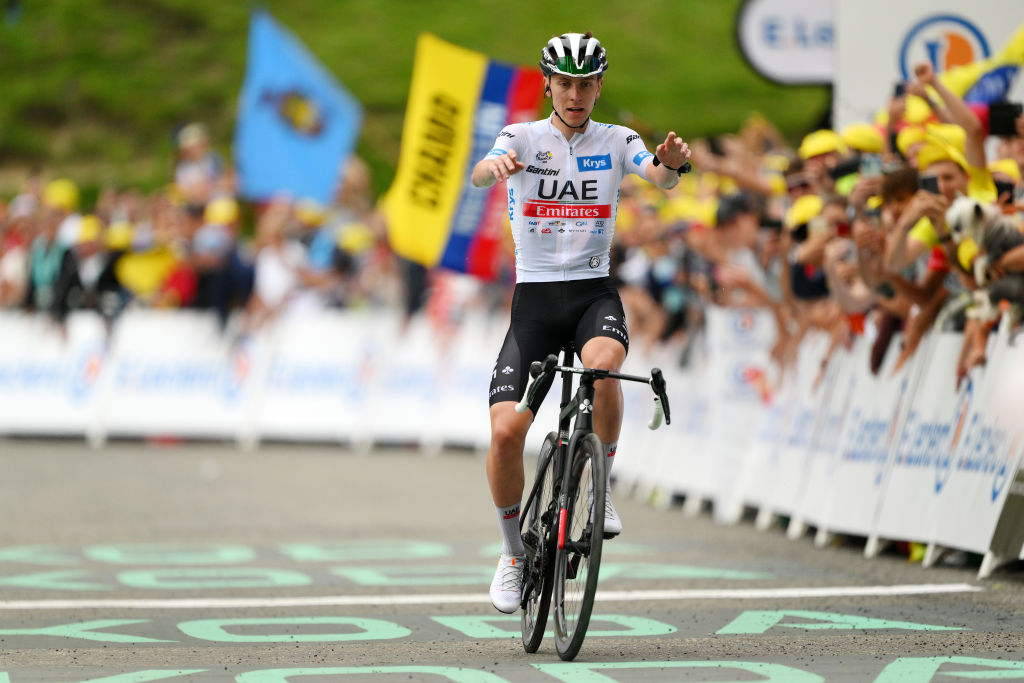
pixel 508 520
pixel 609 451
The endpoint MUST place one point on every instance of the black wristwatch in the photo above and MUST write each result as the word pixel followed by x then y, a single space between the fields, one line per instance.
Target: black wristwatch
pixel 685 168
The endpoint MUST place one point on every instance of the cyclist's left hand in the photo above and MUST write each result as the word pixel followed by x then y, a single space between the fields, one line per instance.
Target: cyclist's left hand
pixel 674 151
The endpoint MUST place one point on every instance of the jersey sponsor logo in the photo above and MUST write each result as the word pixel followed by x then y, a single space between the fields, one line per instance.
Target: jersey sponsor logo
pixel 632 137
pixel 555 224
pixel 597 162
pixel 609 328
pixel 533 222
pixel 496 152
pixel 505 134
pixel 507 370
pixel 542 171
pixel 640 156
pixel 501 389
pixel 579 223
pixel 586 191
pixel 611 317
pixel 546 231
pixel 543 157
pixel 536 209
pixel 598 224
pixel 533 229
pixel 599 231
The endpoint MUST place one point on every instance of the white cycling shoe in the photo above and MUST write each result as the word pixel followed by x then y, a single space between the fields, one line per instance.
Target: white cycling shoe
pixel 507 586
pixel 612 523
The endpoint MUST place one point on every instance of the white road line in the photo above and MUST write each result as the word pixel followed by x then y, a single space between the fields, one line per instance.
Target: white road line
pixel 461 598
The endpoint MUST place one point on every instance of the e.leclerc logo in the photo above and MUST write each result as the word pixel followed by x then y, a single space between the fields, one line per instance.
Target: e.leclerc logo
pixel 945 40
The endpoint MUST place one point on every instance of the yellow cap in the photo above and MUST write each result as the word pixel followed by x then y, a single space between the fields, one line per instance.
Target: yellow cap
pixel 310 212
pixel 949 132
pixel 908 137
pixel 89 229
pixel 775 162
pixel 803 210
pixel 864 137
pixel 355 238
pixel 936 150
pixel 1008 167
pixel 821 142
pixel 61 194
pixel 221 211
pixel 120 235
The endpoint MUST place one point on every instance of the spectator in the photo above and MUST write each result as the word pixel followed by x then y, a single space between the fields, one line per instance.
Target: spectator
pixel 224 279
pixel 87 280
pixel 199 172
pixel 15 239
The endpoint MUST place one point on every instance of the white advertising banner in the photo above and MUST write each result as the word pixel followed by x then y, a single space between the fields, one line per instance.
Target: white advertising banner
pixel 920 463
pixel 878 42
pixel 49 378
pixel 865 443
pixel 986 442
pixel 176 374
pixel 740 342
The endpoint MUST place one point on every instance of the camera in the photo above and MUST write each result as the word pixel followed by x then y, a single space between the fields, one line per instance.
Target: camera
pixel 929 183
pixel 1002 118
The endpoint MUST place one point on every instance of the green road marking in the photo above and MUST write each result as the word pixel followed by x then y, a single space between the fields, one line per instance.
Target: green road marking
pixel 924 669
pixel 162 554
pixel 436 575
pixel 87 630
pixel 640 570
pixel 450 672
pixel 36 554
pixel 756 621
pixel 588 673
pixel 483 627
pixel 66 580
pixel 212 577
pixel 353 551
pixel 214 630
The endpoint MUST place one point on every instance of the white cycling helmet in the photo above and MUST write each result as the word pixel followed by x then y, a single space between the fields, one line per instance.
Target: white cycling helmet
pixel 574 54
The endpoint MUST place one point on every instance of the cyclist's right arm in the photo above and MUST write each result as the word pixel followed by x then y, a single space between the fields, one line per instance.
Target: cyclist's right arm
pixel 500 163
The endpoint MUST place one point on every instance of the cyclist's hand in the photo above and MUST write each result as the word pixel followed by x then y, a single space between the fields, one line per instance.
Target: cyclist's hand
pixel 674 151
pixel 505 165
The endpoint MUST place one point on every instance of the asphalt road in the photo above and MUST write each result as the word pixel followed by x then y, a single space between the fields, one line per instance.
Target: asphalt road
pixel 206 563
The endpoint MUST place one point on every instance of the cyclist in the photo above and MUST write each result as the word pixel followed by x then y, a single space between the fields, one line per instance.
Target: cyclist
pixel 563 175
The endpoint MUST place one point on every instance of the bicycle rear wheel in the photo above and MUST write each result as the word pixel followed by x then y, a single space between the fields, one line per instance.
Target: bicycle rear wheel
pixel 578 561
pixel 539 540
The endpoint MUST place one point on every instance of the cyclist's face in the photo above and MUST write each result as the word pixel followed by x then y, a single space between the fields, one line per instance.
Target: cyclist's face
pixel 574 98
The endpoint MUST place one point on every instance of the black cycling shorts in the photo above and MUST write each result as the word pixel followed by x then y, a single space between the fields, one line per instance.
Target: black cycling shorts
pixel 545 316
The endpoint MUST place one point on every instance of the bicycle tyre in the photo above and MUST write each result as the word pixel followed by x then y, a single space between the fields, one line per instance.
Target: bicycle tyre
pixel 577 564
pixel 539 540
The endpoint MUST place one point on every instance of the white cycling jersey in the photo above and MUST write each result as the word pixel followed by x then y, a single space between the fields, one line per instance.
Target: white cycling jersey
pixel 562 205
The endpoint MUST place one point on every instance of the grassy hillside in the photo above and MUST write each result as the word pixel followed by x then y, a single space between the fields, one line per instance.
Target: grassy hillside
pixel 95 88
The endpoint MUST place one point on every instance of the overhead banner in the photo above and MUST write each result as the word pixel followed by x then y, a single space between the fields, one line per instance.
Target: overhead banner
pixel 296 123
pixel 975 47
pixel 459 101
pixel 788 41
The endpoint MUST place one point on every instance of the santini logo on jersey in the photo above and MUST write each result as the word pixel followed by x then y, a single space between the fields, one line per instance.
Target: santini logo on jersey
pixel 600 162
pixel 542 171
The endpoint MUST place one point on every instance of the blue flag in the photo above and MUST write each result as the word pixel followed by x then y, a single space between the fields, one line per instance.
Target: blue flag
pixel 296 123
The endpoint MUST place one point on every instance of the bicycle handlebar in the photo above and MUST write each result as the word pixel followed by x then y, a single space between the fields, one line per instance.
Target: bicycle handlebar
pixel 543 373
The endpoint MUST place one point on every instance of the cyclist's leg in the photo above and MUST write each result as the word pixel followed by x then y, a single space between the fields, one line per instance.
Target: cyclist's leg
pixel 505 456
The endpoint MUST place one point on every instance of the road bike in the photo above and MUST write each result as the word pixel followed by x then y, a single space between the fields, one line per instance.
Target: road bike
pixel 562 523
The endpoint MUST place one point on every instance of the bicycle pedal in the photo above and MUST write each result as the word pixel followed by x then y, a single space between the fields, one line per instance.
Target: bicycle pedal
pixel 572 566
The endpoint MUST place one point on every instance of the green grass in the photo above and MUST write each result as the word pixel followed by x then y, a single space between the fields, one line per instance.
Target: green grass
pixel 95 89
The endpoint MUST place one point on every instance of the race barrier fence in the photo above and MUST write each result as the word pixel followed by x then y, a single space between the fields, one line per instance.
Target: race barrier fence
pixel 905 455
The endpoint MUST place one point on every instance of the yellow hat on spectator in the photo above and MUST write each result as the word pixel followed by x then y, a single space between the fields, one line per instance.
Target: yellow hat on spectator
pixel 803 210
pixel 908 137
pixel 61 194
pixel 949 132
pixel 821 142
pixel 89 229
pixel 355 238
pixel 120 235
pixel 1007 167
pixel 936 150
pixel 918 111
pixel 221 211
pixel 775 162
pixel 310 212
pixel 864 137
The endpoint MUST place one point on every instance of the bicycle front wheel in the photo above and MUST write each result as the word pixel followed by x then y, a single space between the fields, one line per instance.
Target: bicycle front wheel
pixel 578 560
pixel 539 541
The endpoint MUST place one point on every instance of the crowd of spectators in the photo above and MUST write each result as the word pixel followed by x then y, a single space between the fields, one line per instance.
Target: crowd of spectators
pixel 890 226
